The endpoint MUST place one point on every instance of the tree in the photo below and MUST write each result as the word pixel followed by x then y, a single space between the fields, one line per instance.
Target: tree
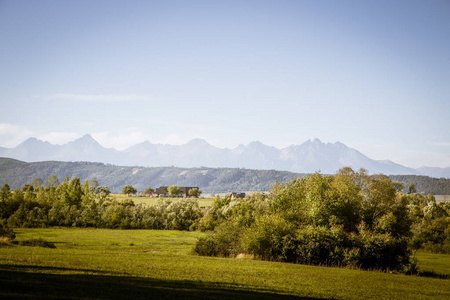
pixel 103 192
pixel 5 193
pixel 27 188
pixel 37 183
pixel 412 188
pixel 52 181
pixel 129 190
pixel 75 191
pixel 149 191
pixel 194 192
pixel 92 184
pixel 399 186
pixel 174 190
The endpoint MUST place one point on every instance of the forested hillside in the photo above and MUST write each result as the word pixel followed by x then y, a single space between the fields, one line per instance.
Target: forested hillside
pixel 211 180
pixel 425 184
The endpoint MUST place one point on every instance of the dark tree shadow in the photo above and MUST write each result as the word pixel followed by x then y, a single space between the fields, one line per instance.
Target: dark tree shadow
pixel 37 283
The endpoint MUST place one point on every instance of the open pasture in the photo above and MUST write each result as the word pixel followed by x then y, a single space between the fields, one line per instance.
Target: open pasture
pixel 442 198
pixel 133 264
pixel 202 202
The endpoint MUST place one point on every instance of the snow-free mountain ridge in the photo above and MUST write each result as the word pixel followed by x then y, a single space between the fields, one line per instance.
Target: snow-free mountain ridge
pixel 308 157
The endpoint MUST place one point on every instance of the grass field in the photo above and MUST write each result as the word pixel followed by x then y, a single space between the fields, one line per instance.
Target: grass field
pixel 135 264
pixel 202 202
pixel 442 198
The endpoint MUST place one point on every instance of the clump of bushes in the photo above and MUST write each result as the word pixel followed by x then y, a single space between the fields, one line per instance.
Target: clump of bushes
pixel 433 232
pixel 348 219
pixel 7 234
pixel 6 231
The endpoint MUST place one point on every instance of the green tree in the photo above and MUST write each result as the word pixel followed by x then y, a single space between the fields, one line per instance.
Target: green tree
pixel 412 188
pixel 92 184
pixel 345 199
pixel 103 192
pixel 27 188
pixel 129 190
pixel 75 191
pixel 174 190
pixel 399 186
pixel 52 181
pixel 149 191
pixel 378 198
pixel 37 183
pixel 194 192
pixel 5 193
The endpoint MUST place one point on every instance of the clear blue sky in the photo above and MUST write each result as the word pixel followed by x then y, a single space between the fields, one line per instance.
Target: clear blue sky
pixel 374 75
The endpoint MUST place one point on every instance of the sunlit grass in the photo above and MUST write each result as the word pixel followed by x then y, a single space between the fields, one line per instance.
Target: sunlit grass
pixel 441 198
pixel 439 263
pixel 202 202
pixel 165 257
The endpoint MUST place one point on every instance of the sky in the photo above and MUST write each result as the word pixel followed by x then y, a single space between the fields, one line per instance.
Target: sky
pixel 374 75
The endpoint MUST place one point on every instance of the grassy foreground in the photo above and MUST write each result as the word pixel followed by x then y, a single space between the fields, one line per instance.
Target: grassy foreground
pixel 133 264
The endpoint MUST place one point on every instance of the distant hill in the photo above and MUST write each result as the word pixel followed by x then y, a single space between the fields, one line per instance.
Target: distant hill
pixel 217 180
pixel 308 157
pixel 211 180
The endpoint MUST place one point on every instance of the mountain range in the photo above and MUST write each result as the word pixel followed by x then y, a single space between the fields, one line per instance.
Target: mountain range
pixel 308 157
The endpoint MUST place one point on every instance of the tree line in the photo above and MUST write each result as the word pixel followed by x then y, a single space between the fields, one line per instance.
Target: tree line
pixel 71 204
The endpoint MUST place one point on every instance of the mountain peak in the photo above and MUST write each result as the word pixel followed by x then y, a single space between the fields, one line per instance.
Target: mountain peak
pixel 33 141
pixel 316 143
pixel 87 137
pixel 197 142
pixel 255 144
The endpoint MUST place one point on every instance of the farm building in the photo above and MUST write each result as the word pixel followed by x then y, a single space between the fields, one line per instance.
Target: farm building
pixel 237 195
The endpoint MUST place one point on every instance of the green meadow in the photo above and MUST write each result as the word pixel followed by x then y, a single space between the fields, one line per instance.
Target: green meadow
pixel 442 198
pixel 202 202
pixel 135 264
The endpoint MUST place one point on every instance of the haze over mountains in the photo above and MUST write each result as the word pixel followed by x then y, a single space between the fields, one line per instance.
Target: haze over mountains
pixel 308 157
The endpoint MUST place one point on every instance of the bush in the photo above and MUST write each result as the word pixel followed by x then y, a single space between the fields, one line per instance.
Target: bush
pixel 207 246
pixel 223 241
pixel 6 231
pixel 319 245
pixel 433 236
pixel 267 236
pixel 382 251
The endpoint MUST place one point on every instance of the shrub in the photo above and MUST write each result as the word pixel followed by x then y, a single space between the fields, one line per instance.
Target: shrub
pixel 6 231
pixel 433 235
pixel 223 241
pixel 382 251
pixel 206 246
pixel 267 236
pixel 319 245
